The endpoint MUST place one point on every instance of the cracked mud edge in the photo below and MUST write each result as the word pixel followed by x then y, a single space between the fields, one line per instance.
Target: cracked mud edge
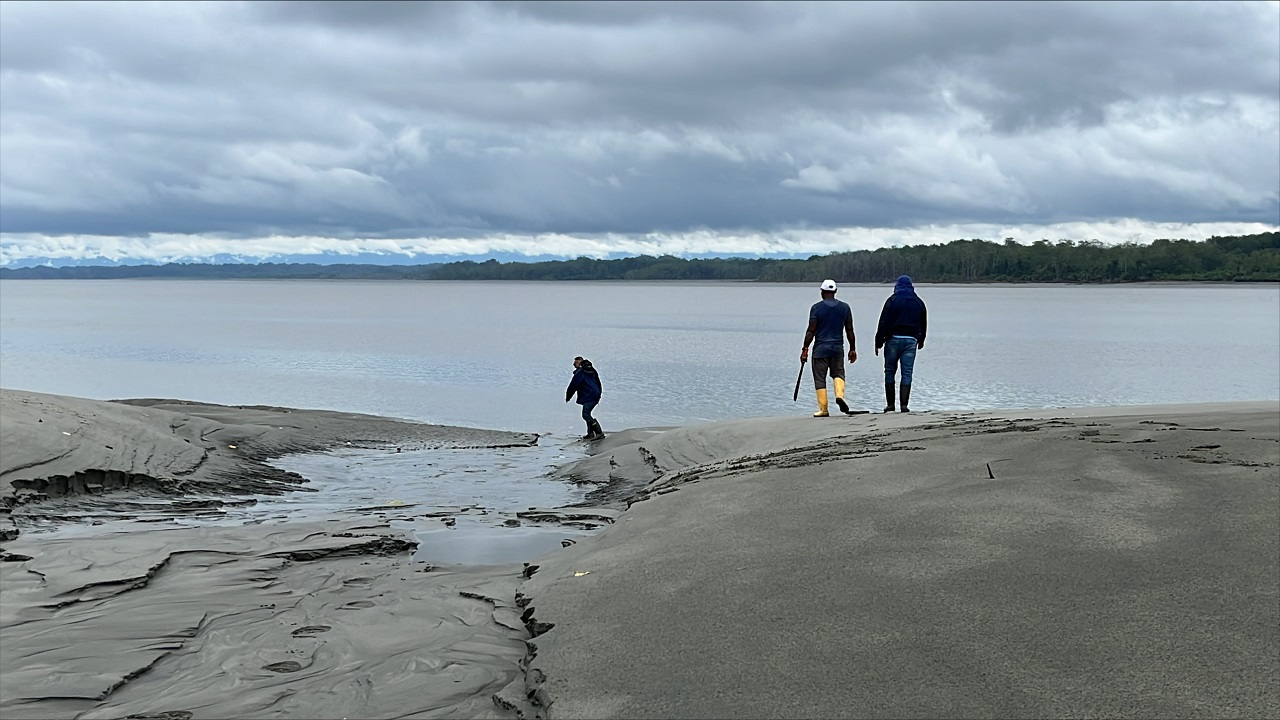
pixel 85 482
pixel 257 478
pixel 803 456
pixel 120 586
pixel 516 697
pixel 535 702
pixel 383 545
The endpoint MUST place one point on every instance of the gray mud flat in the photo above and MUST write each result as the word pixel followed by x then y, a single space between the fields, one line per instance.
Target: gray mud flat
pixel 464 507
pixel 1100 562
pixel 55 446
pixel 321 620
pixel 1116 562
pixel 166 559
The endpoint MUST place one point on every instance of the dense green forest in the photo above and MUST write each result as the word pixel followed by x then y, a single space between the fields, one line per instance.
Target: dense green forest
pixel 1245 258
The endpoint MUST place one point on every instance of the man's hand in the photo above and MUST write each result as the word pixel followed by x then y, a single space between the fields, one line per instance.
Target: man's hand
pixel 919 344
pixel 877 350
pixel 804 354
pixel 853 356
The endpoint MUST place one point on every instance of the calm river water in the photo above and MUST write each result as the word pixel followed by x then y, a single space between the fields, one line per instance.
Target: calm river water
pixel 498 355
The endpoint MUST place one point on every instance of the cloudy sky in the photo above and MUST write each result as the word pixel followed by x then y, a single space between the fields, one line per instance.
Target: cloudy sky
pixel 258 130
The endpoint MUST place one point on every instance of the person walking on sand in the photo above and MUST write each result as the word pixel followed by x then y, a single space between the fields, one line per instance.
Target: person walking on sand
pixel 829 318
pixel 903 321
pixel 586 383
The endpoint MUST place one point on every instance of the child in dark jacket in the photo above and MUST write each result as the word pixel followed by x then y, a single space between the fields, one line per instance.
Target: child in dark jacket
pixel 586 384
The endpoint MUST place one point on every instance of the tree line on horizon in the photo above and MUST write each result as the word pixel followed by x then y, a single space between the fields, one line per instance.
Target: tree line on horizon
pixel 1240 258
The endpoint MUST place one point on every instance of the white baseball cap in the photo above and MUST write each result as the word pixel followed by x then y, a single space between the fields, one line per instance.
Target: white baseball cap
pixel 829 285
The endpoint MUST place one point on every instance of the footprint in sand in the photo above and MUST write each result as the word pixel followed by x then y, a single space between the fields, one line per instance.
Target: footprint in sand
pixel 357 604
pixel 310 630
pixel 166 715
pixel 288 666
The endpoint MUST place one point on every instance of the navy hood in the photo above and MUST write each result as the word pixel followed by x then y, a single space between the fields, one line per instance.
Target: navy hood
pixel 904 286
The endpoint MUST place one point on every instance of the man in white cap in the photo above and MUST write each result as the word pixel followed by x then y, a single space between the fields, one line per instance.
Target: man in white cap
pixel 830 321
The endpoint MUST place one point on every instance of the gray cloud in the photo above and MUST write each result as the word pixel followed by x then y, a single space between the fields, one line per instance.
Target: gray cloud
pixel 466 120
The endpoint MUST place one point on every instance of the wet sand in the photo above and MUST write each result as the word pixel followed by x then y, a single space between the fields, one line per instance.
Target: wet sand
pixel 1116 562
pixel 305 621
pixel 322 619
pixel 54 446
pixel 1107 562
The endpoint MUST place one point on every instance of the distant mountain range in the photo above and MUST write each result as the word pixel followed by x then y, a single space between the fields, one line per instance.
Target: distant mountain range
pixel 1245 258
pixel 375 259
pixel 319 259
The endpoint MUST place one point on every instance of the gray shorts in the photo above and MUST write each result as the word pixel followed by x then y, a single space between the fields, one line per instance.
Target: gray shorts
pixel 821 366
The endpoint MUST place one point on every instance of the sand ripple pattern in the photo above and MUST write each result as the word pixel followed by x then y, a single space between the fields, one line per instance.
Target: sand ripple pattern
pixel 329 620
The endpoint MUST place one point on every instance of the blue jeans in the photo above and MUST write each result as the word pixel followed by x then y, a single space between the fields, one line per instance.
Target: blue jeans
pixel 899 349
pixel 586 413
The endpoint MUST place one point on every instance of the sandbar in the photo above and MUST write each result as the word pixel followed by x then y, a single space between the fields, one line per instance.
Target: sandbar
pixel 1118 562
pixel 1100 562
pixel 324 619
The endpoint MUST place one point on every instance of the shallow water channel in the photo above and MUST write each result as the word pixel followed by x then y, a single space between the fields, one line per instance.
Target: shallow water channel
pixel 465 506
pixel 461 505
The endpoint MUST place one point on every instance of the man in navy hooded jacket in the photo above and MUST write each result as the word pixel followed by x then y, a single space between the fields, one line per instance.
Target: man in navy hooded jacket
pixel 586 383
pixel 903 321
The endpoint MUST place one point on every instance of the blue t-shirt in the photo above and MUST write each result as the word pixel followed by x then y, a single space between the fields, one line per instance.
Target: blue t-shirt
pixel 828 340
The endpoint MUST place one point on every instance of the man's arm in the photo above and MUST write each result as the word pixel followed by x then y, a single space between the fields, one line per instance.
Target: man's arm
pixel 924 324
pixel 853 340
pixel 808 338
pixel 882 328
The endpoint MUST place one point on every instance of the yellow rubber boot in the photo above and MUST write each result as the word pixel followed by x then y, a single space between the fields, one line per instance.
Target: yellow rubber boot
pixel 822 403
pixel 844 407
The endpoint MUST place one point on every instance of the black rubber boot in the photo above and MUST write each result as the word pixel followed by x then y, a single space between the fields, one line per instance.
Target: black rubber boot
pixel 905 392
pixel 888 397
pixel 597 433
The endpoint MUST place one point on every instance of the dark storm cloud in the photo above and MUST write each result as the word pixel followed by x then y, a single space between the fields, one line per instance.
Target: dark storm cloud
pixel 402 119
pixel 345 15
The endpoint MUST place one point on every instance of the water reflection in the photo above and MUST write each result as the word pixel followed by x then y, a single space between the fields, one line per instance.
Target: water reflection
pixel 466 506
pixel 474 543
pixel 462 505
